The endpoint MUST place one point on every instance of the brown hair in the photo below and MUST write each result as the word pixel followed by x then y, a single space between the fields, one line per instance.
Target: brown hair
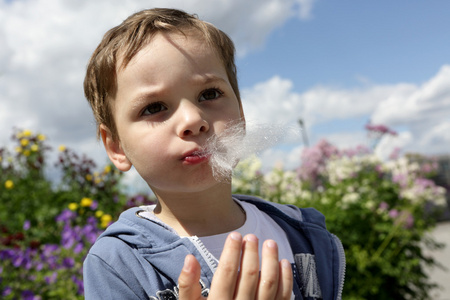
pixel 128 38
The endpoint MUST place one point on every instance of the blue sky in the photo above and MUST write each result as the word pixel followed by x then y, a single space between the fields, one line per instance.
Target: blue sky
pixel 335 64
pixel 345 41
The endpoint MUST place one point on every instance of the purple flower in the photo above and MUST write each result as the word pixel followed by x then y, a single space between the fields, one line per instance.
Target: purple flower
pixel 26 225
pixel 92 221
pixel 18 260
pixel 409 222
pixel 381 129
pixel 39 266
pixel 422 184
pixel 49 249
pixel 314 160
pixel 51 279
pixel 384 206
pixel 68 237
pixel 88 229
pixel 400 179
pixel 68 262
pixel 393 213
pixel 78 248
pixel 79 284
pixel 395 153
pixel 65 216
pixel 28 295
pixel 91 237
pixel 7 291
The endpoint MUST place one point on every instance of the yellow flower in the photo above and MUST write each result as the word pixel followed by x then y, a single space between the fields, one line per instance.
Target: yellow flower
pixel 26 152
pixel 24 142
pixel 97 180
pixel 62 148
pixel 86 202
pixel 88 177
pixel 105 220
pixel 26 132
pixel 107 169
pixel 99 213
pixel 41 137
pixel 73 206
pixel 9 184
pixel 34 147
pixel 1 158
pixel 19 149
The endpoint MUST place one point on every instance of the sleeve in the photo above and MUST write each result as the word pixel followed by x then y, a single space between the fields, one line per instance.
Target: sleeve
pixel 101 281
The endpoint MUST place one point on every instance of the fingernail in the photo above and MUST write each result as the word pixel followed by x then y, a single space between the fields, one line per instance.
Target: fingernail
pixel 187 265
pixel 285 264
pixel 235 236
pixel 271 244
pixel 251 238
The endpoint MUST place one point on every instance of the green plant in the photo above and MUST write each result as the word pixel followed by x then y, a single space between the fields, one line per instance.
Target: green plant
pixel 377 208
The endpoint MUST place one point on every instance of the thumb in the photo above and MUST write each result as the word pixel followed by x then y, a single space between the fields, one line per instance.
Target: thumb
pixel 188 282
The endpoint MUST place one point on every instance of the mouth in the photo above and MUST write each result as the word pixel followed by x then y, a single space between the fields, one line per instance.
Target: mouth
pixel 195 156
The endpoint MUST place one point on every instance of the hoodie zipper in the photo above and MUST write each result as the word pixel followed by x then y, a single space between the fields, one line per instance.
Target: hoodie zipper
pixel 211 261
pixel 341 255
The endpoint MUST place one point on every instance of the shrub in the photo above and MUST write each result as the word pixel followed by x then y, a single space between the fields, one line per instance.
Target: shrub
pixel 377 208
pixel 47 227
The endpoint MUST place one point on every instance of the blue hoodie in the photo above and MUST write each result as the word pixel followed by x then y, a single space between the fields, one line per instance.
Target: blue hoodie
pixel 140 258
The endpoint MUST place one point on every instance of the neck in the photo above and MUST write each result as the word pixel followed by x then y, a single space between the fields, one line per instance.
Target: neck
pixel 202 213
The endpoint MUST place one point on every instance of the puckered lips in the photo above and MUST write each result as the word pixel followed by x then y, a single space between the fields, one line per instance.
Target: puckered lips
pixel 195 156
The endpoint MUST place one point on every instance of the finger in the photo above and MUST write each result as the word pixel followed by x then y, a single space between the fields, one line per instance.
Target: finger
pixel 224 279
pixel 286 282
pixel 188 281
pixel 249 273
pixel 268 282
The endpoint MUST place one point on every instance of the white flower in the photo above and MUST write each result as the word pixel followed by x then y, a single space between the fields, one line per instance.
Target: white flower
pixel 348 199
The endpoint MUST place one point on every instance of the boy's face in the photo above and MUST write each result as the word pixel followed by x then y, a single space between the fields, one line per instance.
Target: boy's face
pixel 170 98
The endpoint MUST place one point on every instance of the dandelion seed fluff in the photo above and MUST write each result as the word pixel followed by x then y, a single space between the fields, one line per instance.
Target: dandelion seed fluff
pixel 240 140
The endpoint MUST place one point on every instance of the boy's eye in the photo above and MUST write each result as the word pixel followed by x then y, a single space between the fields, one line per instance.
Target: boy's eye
pixel 210 94
pixel 154 108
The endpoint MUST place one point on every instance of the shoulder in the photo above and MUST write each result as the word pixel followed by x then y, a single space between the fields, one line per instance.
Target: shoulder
pixel 285 211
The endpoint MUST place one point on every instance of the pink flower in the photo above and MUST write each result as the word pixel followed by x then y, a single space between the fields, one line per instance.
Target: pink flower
pixel 393 213
pixel 384 206
pixel 409 222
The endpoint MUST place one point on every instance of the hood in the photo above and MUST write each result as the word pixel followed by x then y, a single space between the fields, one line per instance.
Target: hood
pixel 139 231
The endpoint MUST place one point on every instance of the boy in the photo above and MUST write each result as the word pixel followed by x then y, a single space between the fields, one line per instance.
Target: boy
pixel 160 84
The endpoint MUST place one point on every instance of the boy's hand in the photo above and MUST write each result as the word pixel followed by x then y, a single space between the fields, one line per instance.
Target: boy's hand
pixel 274 282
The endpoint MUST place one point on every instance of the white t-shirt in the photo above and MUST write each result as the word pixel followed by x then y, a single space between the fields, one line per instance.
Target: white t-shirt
pixel 258 223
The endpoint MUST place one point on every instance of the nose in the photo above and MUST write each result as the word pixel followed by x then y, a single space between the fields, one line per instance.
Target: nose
pixel 191 121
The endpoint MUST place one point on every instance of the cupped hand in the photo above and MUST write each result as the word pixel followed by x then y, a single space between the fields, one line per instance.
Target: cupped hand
pixel 239 275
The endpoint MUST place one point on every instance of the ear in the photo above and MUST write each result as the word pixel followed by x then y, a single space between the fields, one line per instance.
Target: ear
pixel 114 150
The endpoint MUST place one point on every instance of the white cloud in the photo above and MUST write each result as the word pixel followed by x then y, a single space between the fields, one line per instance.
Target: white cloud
pixel 288 159
pixel 417 104
pixel 272 101
pixel 275 100
pixel 348 140
pixel 420 112
pixel 305 9
pixel 389 144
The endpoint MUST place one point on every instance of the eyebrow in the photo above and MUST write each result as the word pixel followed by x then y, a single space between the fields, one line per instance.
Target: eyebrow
pixel 144 97
pixel 209 78
pixel 156 93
